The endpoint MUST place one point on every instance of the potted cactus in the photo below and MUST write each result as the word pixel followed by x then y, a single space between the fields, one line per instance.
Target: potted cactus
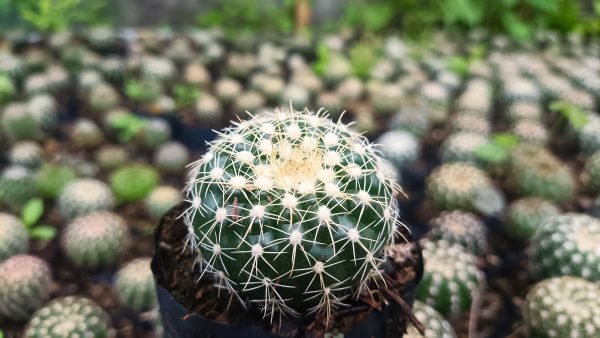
pixel 289 228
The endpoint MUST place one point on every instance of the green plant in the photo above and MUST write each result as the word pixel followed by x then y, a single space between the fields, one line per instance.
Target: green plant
pixel 134 285
pixel 497 150
pixel 524 216
pixel 84 195
pixel 575 116
pixel 161 200
pixel 563 307
pixel 399 147
pixel 462 147
pixel 142 90
pixel 95 240
pixel 126 125
pixel 436 326
pixel 58 15
pixel 26 153
pixel 52 178
pixel 68 317
pixel 24 286
pixel 133 182
pixel 566 245
pixel 18 124
pixel 14 239
pixel 462 228
pixel 363 56
pixel 31 213
pixel 16 186
pixel 589 136
pixel 592 167
pixel 172 157
pixel 185 95
pixel 7 88
pixel 291 211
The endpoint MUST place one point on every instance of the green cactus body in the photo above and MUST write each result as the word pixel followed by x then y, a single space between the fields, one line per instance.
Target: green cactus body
pixel 450 278
pixel 18 124
pixel 70 316
pixel 155 132
pixel 11 66
pixel 563 307
pixel 86 134
pixel 95 240
pixel 566 245
pixel 436 326
pixel 133 182
pixel 42 109
pixel 24 286
pixel 161 200
pixel 134 285
pixel 16 186
pixel 52 178
pixel 592 167
pixel 291 212
pixel 461 147
pixel 111 157
pixel 26 153
pixel 172 157
pixel 589 135
pixel 14 238
pixel 7 88
pixel 413 120
pixel 83 196
pixel 525 215
pixel 462 228
pixel 103 97
pixel 399 147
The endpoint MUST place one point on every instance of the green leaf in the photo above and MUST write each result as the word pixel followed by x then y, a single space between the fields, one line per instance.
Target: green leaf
pixel 491 153
pixel 515 26
pixel 43 232
pixel 32 211
pixel 459 65
pixel 1 334
pixel 576 116
pixel 506 141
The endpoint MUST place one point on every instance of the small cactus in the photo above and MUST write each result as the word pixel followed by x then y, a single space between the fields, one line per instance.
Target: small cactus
pixel 471 123
pixel 86 134
pixel 413 120
pixel 133 182
pixel 527 214
pixel 52 178
pixel 207 108
pixel 523 111
pixel 563 307
pixel 83 196
pixel 155 132
pixel 134 285
pixel 18 124
pixel 43 110
pixel 171 157
pixel 450 278
pixel 24 286
pixel 521 89
pixel 70 316
pixel 95 240
pixel 589 135
pixel 158 68
pixel 111 157
pixel 592 167
pixel 399 147
pixel 566 245
pixel 532 132
pixel 14 238
pixel 7 88
pixel 462 147
pixel 436 326
pixel 227 89
pixel 295 93
pixel 102 38
pixel 249 101
pixel 103 97
pixel 36 84
pixel 16 186
pixel 161 200
pixel 26 153
pixel 462 228
pixel 387 99
pixel 11 66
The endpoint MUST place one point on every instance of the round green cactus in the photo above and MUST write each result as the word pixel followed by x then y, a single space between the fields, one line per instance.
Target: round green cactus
pixel 462 147
pixel 24 286
pixel 14 238
pixel 563 307
pixel 436 326
pixel 70 316
pixel 43 110
pixel 83 196
pixel 155 132
pixel 133 182
pixel 536 172
pixel 592 167
pixel 413 120
pixel 134 285
pixel 52 178
pixel 16 186
pixel 161 200
pixel 566 245
pixel 95 240
pixel 399 147
pixel 450 278
pixel 103 97
pixel 18 124
pixel 589 135
pixel 26 153
pixel 462 228
pixel 291 211
pixel 85 133
pixel 172 157
pixel 7 88
pixel 102 38
pixel 227 89
pixel 111 157
pixel 525 215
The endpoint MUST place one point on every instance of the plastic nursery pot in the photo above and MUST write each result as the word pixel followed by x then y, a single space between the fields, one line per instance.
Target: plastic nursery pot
pixel 180 322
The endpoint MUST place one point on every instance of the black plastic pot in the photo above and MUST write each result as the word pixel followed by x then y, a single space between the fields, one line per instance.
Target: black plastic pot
pixel 179 323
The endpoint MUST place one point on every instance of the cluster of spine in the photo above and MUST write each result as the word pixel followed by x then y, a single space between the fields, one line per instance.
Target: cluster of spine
pixel 291 212
pixel 26 153
pixel 161 200
pixel 462 228
pixel 85 133
pixel 566 245
pixel 83 196
pixel 399 147
pixel 133 182
pixel 155 133
pixel 103 97
pixel 16 186
pixel 563 307
pixel 134 285
pixel 524 216
pixel 14 238
pixel 70 316
pixel 436 326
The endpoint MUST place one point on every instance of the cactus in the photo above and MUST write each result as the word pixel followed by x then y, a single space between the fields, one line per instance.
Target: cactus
pixel 387 99
pixel 563 307
pixel 450 278
pixel 155 132
pixel 14 238
pixel 113 68
pixel 16 186
pixel 307 208
pixel 566 245
pixel 36 84
pixel 462 228
pixel 295 93
pixel 589 135
pixel 518 88
pixel 436 326
pixel 592 167
pixel 57 78
pixel 111 157
pixel 86 134
pixel 26 153
pixel 527 214
pixel 133 182
pixel 331 102
pixel 134 285
pixel 24 286
pixel 249 101
pixel 102 38
pixel 227 89
pixel 43 110
pixel 11 66
pixel 161 200
pixel 270 86
pixel 413 120
pixel 399 147
pixel 171 157
pixel 476 98
pixel 196 74
pixel 523 111
pixel 461 147
pixel 83 196
pixel 70 316
pixel 207 108
pixel 7 88
pixel 18 124
pixel 536 172
pixel 103 97
pixel 471 123
pixel 531 132
pixel 350 89
pixel 158 68
pixel 95 240
pixel 51 179
pixel 87 80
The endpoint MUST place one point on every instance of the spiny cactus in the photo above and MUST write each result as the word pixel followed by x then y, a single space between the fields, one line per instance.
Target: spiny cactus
pixel 158 68
pixel 527 214
pixel 331 102
pixel 387 99
pixel 270 86
pixel 57 78
pixel 83 196
pixel 207 108
pixel 11 66
pixel 227 89
pixel 18 124
pixel 102 38
pixel 36 84
pixel 589 135
pixel 70 316
pixel 450 278
pixel 523 111
pixel 88 79
pixel 518 88
pixel 85 133
pixel 471 123
pixel 155 132
pixel 42 109
pixel 113 68
pixel 349 89
pixel 436 326
pixel 563 307
pixel 161 200
pixel 52 178
pixel 411 119
pixel 172 157
pixel 26 153
pixel 592 167
pixel 16 186
pixel 532 132
pixel 24 286
pixel 307 209
pixel 477 98
pixel 111 157
pixel 7 88
pixel 95 240
pixel 249 101
pixel 133 182
pixel 295 93
pixel 461 147
pixel 103 97
pixel 566 245
pixel 134 285
pixel 462 228
pixel 399 147
pixel 14 238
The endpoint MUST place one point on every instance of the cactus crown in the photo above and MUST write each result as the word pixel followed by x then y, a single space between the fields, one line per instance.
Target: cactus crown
pixel 291 211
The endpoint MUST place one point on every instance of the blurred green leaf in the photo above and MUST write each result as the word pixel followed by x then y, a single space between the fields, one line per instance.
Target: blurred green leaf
pixel 185 95
pixel 516 27
pixel 32 211
pixel 43 232
pixel 363 57
pixel 576 116
pixel 459 65
pixel 505 140
pixel 322 60
pixel 497 150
